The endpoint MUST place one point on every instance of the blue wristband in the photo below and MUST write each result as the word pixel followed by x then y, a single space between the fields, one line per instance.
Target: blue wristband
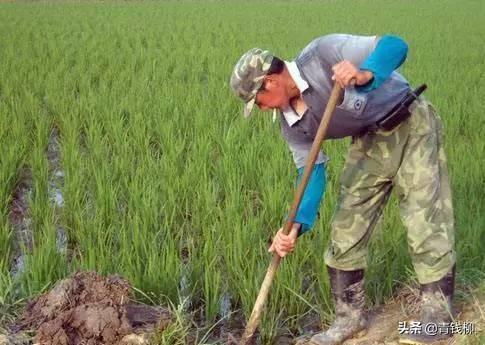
pixel 310 202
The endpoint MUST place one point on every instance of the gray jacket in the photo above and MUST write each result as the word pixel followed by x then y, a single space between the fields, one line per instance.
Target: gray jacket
pixel 357 112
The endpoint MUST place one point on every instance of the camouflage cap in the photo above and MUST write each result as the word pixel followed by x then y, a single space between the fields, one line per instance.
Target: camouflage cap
pixel 247 76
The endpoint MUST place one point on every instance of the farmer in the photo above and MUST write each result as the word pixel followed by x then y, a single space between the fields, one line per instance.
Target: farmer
pixel 408 158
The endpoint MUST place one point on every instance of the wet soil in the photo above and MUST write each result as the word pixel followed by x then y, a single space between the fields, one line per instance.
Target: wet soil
pixel 89 309
pixel 383 320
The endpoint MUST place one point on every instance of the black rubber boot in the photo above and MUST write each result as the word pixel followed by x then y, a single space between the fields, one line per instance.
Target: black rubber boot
pixel 436 312
pixel 349 298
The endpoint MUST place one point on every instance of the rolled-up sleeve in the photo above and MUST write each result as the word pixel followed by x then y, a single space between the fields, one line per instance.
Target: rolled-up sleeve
pixel 334 48
pixel 356 49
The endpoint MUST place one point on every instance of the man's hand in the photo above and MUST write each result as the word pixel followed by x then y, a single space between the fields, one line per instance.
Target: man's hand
pixel 284 244
pixel 344 72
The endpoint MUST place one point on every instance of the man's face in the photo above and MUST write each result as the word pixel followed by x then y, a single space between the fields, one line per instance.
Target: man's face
pixel 273 93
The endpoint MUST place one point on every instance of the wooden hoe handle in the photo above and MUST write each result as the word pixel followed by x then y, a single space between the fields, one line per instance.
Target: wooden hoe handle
pixel 268 279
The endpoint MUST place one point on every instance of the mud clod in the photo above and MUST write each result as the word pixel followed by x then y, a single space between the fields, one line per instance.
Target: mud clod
pixel 89 309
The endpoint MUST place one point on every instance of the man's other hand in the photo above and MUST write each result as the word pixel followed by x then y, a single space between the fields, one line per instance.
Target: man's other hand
pixel 284 244
pixel 344 72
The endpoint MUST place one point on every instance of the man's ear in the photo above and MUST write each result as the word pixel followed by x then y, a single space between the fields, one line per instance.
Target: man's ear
pixel 271 81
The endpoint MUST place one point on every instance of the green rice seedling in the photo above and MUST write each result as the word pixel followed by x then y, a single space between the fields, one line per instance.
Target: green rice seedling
pixel 165 182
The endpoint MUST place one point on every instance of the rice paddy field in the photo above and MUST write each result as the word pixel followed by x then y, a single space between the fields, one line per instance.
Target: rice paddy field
pixel 123 150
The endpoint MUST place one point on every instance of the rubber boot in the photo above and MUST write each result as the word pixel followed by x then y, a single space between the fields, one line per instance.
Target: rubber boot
pixel 436 300
pixel 349 298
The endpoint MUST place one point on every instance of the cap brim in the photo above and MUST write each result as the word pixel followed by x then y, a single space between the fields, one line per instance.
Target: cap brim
pixel 248 107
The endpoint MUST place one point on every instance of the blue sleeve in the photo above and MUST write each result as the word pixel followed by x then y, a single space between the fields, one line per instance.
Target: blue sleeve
pixel 310 202
pixel 389 54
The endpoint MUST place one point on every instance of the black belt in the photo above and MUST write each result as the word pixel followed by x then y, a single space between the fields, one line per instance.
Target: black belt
pixel 400 111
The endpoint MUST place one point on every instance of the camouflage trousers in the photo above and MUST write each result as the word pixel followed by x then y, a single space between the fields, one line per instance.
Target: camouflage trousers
pixel 409 159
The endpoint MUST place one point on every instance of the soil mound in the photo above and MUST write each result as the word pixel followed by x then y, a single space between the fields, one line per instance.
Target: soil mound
pixel 89 309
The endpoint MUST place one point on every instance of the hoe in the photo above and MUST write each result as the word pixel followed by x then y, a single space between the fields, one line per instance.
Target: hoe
pixel 271 272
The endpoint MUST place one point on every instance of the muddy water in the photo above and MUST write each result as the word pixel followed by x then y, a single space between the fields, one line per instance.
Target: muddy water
pixel 21 221
pixel 184 283
pixel 56 182
pixel 225 306
pixel 20 217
